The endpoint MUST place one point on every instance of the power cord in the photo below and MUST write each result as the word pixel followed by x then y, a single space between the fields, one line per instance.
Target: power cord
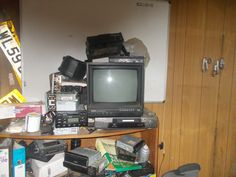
pixel 162 160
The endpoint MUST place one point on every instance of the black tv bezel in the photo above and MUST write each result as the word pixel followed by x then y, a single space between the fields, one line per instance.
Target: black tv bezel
pixel 113 109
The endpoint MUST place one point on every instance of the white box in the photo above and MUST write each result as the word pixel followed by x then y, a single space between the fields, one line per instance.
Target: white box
pixel 49 169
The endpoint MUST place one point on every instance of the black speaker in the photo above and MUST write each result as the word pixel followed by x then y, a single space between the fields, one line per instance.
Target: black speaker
pixel 72 68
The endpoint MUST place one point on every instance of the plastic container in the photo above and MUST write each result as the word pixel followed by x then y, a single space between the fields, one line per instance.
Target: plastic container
pixel 143 154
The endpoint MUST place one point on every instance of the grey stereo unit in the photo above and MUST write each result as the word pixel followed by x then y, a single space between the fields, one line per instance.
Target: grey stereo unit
pixel 148 120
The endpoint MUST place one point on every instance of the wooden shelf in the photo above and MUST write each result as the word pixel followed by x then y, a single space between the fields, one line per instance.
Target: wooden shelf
pixel 83 134
pixel 88 138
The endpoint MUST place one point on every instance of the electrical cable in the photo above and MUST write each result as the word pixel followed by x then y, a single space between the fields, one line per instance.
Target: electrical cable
pixel 162 160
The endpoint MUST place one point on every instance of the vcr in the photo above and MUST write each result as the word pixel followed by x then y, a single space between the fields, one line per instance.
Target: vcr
pixel 121 112
pixel 74 119
pixel 147 120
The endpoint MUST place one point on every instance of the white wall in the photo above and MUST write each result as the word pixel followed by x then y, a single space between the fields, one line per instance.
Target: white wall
pixel 51 29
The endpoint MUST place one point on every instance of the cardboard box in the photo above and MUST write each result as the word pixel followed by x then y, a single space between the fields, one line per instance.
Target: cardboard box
pixel 18 161
pixel 49 169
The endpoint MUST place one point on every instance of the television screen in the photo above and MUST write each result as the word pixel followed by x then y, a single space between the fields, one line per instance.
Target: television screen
pixel 115 85
pixel 115 89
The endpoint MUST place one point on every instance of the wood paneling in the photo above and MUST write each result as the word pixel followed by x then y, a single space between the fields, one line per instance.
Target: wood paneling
pixel 192 81
pixel 225 135
pixel 175 93
pixel 197 120
pixel 209 86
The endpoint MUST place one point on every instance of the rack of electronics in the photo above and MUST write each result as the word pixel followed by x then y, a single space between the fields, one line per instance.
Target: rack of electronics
pixel 128 156
pixel 99 95
pixel 93 95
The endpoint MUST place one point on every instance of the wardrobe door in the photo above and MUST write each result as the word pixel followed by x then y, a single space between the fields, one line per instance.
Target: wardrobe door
pixel 225 147
pixel 189 117
pixel 213 41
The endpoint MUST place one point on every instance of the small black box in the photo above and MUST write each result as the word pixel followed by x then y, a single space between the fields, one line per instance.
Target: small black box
pixel 125 155
pixel 80 158
pixel 130 143
pixel 44 150
pixel 72 68
pixel 104 45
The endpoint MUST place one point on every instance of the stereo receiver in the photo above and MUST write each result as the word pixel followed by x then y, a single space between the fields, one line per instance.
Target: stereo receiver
pixel 74 119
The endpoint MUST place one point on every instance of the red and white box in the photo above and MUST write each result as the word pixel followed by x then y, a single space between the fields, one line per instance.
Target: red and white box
pixel 20 110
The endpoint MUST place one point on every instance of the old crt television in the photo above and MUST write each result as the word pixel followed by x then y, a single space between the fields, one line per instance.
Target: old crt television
pixel 115 89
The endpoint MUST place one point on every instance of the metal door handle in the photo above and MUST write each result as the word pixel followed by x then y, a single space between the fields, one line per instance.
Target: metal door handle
pixel 221 63
pixel 205 62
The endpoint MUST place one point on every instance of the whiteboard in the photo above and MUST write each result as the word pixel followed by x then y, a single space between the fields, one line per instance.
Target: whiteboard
pixel 51 29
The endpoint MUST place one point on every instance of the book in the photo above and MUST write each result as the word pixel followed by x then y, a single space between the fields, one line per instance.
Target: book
pixel 5 157
pixel 108 150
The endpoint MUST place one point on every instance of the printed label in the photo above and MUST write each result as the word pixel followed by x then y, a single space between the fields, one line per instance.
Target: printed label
pixel 13 97
pixel 9 44
pixel 20 170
